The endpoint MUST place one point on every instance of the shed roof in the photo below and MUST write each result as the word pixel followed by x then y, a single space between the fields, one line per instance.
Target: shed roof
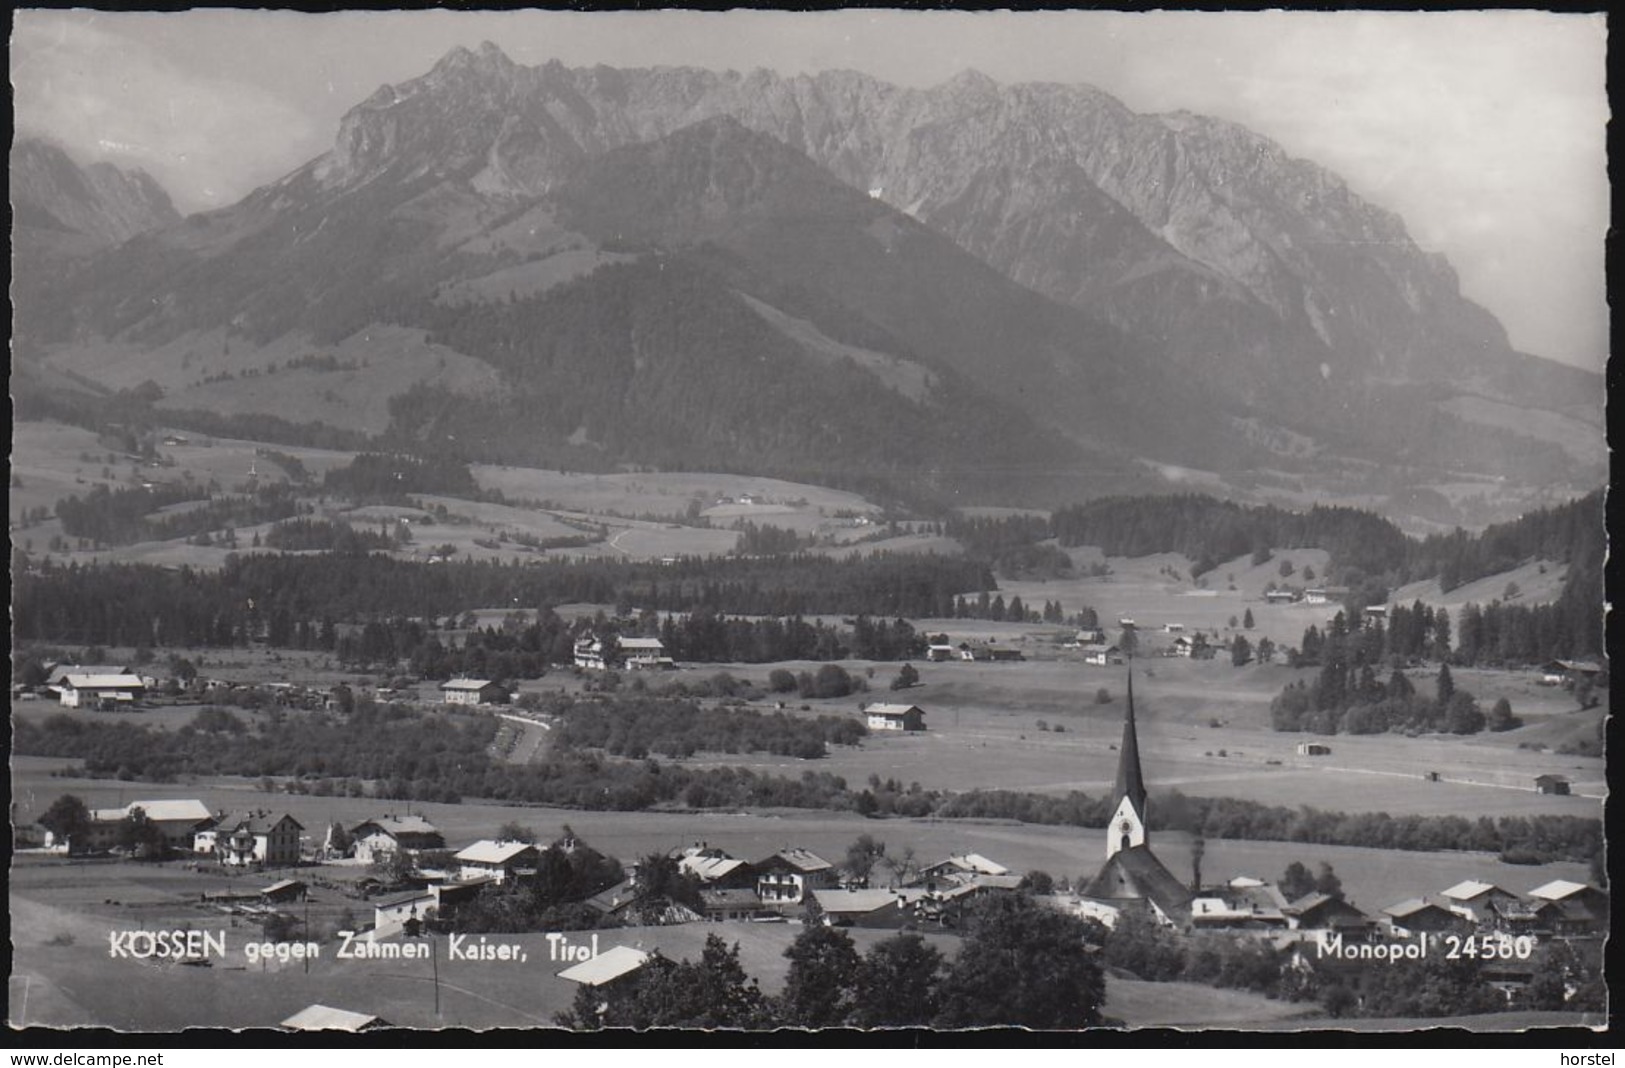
pixel 488 851
pixel 606 967
pixel 326 1018
pixel 469 685
pixel 883 709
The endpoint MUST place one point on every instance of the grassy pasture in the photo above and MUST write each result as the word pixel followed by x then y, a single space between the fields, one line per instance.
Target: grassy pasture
pixel 666 493
pixel 376 364
pixel 1538 581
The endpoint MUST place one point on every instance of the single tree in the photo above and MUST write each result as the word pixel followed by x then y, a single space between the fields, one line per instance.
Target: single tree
pixel 820 986
pixel 861 857
pixel 1296 881
pixel 906 677
pixel 1247 619
pixel 67 819
pixel 1023 965
pixel 1328 883
pixel 897 983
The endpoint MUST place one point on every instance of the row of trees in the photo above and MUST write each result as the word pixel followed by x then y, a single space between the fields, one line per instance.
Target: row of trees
pixel 135 604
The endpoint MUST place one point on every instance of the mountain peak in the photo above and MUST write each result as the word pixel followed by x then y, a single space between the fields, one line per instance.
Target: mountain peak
pixel 971 80
pixel 487 57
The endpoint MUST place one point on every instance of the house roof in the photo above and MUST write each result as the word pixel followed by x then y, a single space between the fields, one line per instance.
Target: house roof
pixel 1145 877
pixel 326 1018
pixel 284 884
pixel 1468 889
pixel 709 868
pixel 606 967
pixel 489 851
pixel 256 822
pixel 396 900
pixel 974 863
pixel 642 645
pixel 612 900
pixel 1314 901
pixel 104 682
pixel 1551 777
pixel 164 811
pixel 62 671
pixel 883 709
pixel 1409 907
pixel 1557 890
pixel 466 684
pixel 802 860
pixel 858 901
pixel 398 825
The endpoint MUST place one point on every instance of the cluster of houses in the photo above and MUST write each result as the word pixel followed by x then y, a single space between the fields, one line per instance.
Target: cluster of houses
pixel 252 838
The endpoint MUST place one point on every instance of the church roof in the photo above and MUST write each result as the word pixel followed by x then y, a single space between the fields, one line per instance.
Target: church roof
pixel 1137 874
pixel 1130 781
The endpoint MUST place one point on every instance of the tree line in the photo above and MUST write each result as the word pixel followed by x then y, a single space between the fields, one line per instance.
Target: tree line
pixel 138 604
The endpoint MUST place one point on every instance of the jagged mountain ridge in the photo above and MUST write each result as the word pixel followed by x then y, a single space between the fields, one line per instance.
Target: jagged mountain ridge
pixel 1061 187
pixel 424 172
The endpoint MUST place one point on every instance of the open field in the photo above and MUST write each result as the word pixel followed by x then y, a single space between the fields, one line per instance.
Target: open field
pixel 983 733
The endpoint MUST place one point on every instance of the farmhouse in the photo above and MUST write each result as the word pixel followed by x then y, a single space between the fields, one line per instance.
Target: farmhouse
pixel 1314 749
pixel 887 717
pixel 1103 657
pixel 1325 595
pixel 1476 900
pixel 1323 912
pixel 390 915
pixel 643 654
pixel 101 691
pixel 1417 916
pixel 864 908
pixel 1182 646
pixel 1583 908
pixel 387 835
pixel 473 692
pixel 1090 636
pixel 1279 597
pixel 1376 611
pixel 246 839
pixel 176 820
pixel 939 648
pixel 1132 873
pixel 498 860
pixel 1552 784
pixel 785 877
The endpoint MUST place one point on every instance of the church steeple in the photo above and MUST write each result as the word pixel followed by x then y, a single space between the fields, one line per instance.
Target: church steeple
pixel 1127 827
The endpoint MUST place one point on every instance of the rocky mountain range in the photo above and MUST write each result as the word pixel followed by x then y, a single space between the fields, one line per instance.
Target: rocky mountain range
pixel 1124 292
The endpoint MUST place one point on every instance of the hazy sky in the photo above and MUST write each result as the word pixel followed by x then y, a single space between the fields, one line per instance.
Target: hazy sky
pixel 1484 130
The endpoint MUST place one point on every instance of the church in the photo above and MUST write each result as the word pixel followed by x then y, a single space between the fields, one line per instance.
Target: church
pixel 1132 875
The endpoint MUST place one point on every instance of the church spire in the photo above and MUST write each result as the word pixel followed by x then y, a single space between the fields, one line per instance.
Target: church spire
pixel 1130 782
pixel 1127 828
